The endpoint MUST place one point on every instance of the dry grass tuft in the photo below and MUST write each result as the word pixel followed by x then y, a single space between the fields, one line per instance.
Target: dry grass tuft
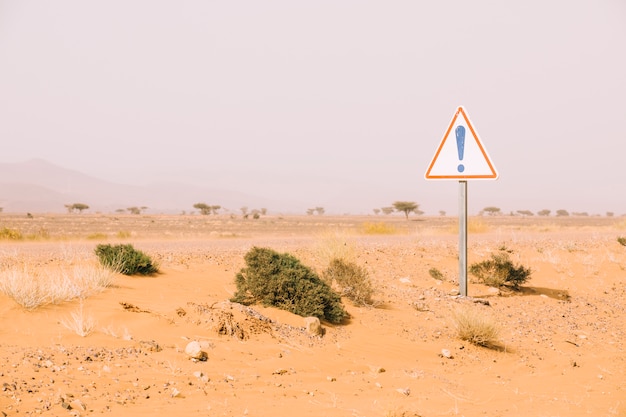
pixel 334 244
pixel 33 287
pixel 79 323
pixel 378 228
pixel 475 327
pixel 474 225
pixel 353 281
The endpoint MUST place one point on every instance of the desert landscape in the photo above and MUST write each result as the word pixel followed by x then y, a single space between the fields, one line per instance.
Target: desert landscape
pixel 122 349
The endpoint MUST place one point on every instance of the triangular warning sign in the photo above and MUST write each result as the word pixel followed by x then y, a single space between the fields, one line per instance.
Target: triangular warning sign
pixel 461 155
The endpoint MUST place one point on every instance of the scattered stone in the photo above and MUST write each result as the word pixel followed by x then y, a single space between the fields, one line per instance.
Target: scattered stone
pixel 493 290
pixel 454 292
pixel 481 301
pixel 195 352
pixel 404 391
pixel 78 405
pixel 150 345
pixel 201 376
pixel 331 378
pixel 405 280
pixel 445 353
pixel 280 372
pixel 313 326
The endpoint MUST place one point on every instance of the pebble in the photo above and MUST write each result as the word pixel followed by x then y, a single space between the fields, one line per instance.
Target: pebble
pixel 194 351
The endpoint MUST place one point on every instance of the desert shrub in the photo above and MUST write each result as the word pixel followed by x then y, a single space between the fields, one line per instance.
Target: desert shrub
pixel 280 280
pixel 475 327
pixel 436 274
pixel 10 234
pixel 499 271
pixel 352 279
pixel 125 259
pixel 622 240
pixel 378 228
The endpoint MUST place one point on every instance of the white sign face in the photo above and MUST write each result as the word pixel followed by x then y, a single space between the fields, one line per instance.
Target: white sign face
pixel 461 155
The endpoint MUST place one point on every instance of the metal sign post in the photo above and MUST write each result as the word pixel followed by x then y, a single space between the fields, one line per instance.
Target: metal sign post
pixel 463 238
pixel 462 159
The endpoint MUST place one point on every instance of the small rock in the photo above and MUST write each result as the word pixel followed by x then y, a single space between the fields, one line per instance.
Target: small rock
pixel 454 292
pixel 313 326
pixel 194 351
pixel 404 391
pixel 78 405
pixel 405 280
pixel 446 353
pixel 150 345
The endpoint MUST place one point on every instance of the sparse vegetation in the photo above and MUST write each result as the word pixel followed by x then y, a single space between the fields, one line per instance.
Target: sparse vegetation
pixel 562 213
pixel 353 281
pixel 280 280
pixel 475 327
pixel 97 236
pixel 544 212
pixel 125 259
pixel 378 228
pixel 10 234
pixel 622 240
pixel 499 271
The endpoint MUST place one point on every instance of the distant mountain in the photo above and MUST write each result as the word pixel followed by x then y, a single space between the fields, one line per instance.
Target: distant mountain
pixel 39 186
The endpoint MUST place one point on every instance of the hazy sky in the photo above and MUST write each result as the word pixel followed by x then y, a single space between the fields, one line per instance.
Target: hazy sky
pixel 337 103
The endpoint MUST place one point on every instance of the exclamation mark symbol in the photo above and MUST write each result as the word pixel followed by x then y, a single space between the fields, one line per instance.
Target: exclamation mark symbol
pixel 460 145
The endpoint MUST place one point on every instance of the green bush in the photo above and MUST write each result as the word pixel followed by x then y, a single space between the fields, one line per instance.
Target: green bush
pixel 125 259
pixel 352 279
pixel 280 280
pixel 499 271
pixel 622 240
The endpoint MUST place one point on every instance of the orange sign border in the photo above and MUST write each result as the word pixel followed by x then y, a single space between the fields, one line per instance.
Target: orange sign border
pixel 494 173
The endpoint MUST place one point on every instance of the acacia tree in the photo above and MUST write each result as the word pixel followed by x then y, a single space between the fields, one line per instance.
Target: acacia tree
pixel 406 207
pixel 136 210
pixel 492 210
pixel 204 208
pixel 76 206
pixel 387 210
pixel 544 212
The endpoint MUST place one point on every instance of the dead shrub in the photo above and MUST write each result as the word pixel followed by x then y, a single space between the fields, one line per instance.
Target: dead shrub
pixel 353 281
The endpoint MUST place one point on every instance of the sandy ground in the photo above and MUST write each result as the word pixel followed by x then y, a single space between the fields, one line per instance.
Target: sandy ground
pixel 561 347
